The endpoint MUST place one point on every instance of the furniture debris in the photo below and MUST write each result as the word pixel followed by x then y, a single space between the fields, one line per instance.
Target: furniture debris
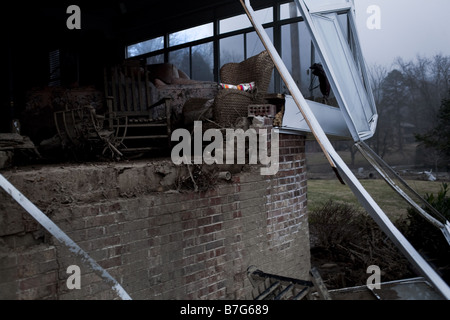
pixel 15 145
pixel 268 286
pixel 37 120
pixel 82 129
pixel 242 85
pixel 132 112
pixel 145 101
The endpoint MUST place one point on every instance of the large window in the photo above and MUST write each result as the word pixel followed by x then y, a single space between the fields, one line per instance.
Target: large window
pixel 232 49
pixel 181 59
pixel 202 61
pixel 242 46
pixel 288 11
pixel 241 22
pixel 145 47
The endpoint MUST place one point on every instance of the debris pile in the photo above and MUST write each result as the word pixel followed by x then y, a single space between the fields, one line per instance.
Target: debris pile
pixel 346 241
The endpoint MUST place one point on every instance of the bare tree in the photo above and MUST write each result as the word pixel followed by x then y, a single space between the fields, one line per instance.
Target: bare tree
pixel 440 69
pixel 424 100
pixel 392 111
pixel 408 98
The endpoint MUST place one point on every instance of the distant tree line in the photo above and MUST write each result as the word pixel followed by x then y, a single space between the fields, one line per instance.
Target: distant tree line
pixel 413 101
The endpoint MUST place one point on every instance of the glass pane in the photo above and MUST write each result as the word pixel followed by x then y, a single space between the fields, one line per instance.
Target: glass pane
pixel 155 59
pixel 343 22
pixel 192 34
pixel 203 62
pixel 234 23
pixel 145 47
pixel 289 10
pixel 255 46
pixel 318 6
pixel 180 59
pixel 264 15
pixel 232 49
pixel 346 77
pixel 241 21
pixel 296 54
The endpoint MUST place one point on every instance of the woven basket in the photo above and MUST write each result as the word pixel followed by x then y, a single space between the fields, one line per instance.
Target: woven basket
pixel 258 68
pixel 231 104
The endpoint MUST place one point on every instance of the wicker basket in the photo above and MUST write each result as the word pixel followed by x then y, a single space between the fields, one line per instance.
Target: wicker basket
pixel 231 104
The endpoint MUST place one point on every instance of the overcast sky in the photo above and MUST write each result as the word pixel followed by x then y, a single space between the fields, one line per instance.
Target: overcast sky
pixel 408 28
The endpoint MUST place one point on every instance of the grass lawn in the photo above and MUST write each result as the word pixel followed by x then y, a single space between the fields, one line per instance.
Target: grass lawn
pixel 320 191
pixel 323 184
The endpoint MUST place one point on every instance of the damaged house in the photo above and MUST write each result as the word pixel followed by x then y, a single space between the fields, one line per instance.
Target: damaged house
pixel 87 117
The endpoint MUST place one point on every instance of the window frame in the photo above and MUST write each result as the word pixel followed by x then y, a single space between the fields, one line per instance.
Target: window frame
pixel 362 120
pixel 277 22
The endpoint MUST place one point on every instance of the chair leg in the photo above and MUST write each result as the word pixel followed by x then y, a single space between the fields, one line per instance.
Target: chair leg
pixel 109 103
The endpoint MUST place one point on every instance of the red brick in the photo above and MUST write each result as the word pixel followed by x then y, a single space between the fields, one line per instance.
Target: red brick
pixel 111 262
pixel 212 228
pixel 187 234
pixel 215 201
pixel 29 283
pixel 237 214
pixel 204 221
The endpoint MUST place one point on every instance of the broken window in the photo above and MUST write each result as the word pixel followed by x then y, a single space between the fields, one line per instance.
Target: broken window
pixel 288 11
pixel 202 61
pixel 191 34
pixel 242 46
pixel 347 78
pixel 242 22
pixel 181 59
pixel 254 46
pixel 145 47
pixel 193 49
pixel 297 54
pixel 232 49
pixel 155 59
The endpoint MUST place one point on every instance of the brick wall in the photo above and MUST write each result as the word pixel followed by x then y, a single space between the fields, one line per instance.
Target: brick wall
pixel 156 243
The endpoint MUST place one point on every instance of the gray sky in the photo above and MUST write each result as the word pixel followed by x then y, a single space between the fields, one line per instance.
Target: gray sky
pixel 408 28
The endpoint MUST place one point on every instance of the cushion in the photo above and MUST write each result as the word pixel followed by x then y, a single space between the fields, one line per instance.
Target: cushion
pixel 248 87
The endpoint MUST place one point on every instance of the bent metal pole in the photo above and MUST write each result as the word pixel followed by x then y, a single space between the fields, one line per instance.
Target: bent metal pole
pixel 363 196
pixel 55 231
